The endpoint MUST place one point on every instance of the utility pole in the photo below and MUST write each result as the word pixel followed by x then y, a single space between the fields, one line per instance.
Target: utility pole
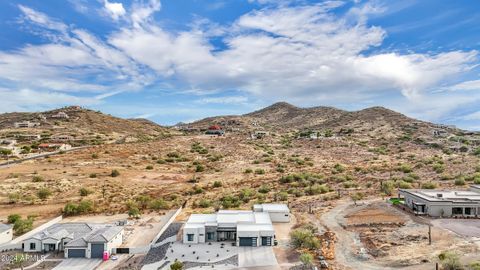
pixel 430 234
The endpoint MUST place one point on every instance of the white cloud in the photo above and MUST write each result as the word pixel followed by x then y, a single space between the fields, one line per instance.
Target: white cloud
pixel 472 116
pixel 115 10
pixel 223 100
pixel 42 19
pixel 466 86
pixel 28 100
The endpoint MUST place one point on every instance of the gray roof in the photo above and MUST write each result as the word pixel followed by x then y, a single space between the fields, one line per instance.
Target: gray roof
pixel 4 227
pixel 80 233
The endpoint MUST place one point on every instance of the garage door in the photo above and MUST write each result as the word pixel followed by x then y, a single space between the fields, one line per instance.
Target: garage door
pixel 248 241
pixel 266 241
pixel 76 253
pixel 97 250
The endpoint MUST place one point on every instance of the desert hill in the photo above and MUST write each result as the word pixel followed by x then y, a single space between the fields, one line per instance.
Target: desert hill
pixel 78 121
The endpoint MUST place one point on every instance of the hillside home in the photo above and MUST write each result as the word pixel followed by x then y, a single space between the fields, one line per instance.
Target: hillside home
pixel 77 240
pixel 54 147
pixel 443 203
pixel 60 115
pixel 440 133
pixel 6 233
pixel 215 130
pixel 242 227
pixel 26 124
pixel 279 213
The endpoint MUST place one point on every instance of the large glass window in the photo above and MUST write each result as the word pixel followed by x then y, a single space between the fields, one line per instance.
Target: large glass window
pixel 189 237
pixel 457 211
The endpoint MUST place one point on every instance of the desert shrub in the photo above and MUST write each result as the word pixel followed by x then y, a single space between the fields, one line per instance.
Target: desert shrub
pixel 304 238
pixel 21 226
pixel 350 184
pixel 85 192
pixel 338 168
pixel 387 187
pixel 158 204
pixel 477 152
pixel 404 185
pixel 11 219
pixel 264 189
pixel 161 161
pixel 143 201
pixel 93 175
pixel 438 168
pixel 72 209
pixel 177 265
pixel 173 155
pixel 405 168
pixel 259 171
pixel 476 181
pixel 43 193
pixel 248 170
pixel 450 261
pixel 114 173
pixel 37 178
pixel 459 182
pixel 230 201
pixel 246 194
pixel 85 206
pixel 149 167
pixel 204 203
pixel 306 259
pixel 429 185
pixel 134 212
pixel 317 189
pixel 199 168
pixel 281 196
pixel 197 190
pixel 217 184
pixel 94 155
pixel 14 197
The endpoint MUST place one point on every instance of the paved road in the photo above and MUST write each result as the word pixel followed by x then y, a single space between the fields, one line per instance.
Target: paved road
pixel 17 161
pixel 78 264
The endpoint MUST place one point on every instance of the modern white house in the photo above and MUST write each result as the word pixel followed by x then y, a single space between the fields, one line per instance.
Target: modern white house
pixel 277 212
pixel 243 227
pixel 6 233
pixel 26 124
pixel 77 240
pixel 443 203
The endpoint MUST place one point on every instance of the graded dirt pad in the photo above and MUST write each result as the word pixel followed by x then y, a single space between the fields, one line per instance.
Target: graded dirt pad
pixel 375 215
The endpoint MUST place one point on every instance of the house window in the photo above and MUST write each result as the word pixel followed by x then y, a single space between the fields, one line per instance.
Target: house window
pixel 210 235
pixel 33 246
pixel 189 237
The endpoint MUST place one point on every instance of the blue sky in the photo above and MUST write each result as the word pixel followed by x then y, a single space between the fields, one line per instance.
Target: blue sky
pixel 182 60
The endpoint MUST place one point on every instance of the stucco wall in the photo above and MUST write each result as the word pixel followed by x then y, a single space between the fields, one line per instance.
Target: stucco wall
pixel 38 245
pixel 6 236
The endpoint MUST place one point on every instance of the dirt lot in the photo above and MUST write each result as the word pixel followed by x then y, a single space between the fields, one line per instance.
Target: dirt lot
pixel 389 237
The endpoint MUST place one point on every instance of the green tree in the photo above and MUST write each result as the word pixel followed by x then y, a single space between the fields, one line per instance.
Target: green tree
pixel 356 197
pixel 13 218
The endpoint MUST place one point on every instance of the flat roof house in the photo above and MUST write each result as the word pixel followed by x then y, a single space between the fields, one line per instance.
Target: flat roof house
pixel 277 212
pixel 443 203
pixel 6 233
pixel 77 240
pixel 243 227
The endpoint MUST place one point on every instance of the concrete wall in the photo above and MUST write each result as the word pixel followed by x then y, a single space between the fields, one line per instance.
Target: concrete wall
pixel 115 242
pixel 6 236
pixel 437 209
pixel 198 235
pixel 279 217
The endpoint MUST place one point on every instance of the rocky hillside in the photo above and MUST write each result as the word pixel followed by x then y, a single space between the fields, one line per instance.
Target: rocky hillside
pixel 80 121
pixel 283 116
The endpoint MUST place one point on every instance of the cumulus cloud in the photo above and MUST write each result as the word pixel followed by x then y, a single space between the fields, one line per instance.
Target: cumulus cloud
pixel 114 10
